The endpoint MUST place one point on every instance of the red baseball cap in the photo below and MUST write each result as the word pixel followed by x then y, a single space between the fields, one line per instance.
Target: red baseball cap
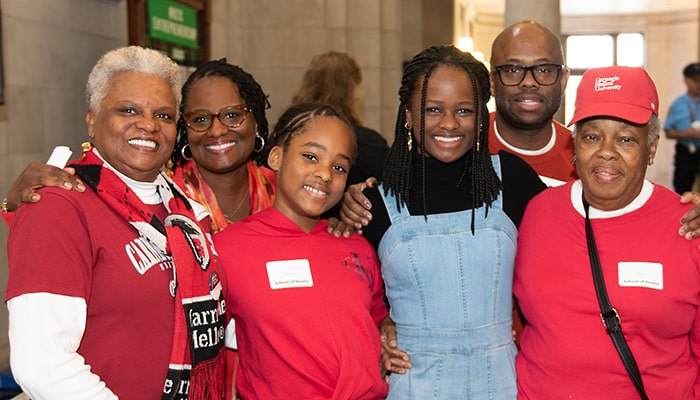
pixel 622 92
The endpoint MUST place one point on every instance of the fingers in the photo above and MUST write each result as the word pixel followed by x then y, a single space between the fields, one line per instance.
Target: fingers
pixel 358 197
pixel 73 180
pixel 399 360
pixel 385 366
pixel 339 228
pixel 332 225
pixel 26 196
pixel 38 175
pixel 350 217
pixel 65 178
pixel 690 197
pixel 370 182
pixel 349 230
pixel 387 329
pixel 691 220
pixel 354 210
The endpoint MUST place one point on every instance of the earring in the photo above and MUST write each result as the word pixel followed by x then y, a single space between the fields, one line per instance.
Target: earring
pixel 573 159
pixel 85 147
pixel 185 151
pixel 651 162
pixel 260 148
pixel 477 145
pixel 410 136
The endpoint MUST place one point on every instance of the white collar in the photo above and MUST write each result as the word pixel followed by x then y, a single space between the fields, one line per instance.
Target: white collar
pixel 637 203
pixel 147 192
pixel 518 150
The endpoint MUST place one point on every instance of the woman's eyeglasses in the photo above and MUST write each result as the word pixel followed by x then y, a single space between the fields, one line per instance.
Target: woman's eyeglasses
pixel 231 117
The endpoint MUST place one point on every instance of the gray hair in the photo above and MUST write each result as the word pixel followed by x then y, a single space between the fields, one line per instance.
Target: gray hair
pixel 654 129
pixel 130 59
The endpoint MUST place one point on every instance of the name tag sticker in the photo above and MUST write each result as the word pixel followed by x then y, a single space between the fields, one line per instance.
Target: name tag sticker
pixel 641 274
pixel 289 274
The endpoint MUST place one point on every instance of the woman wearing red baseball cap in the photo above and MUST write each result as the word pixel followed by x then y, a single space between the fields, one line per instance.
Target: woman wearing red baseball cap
pixel 610 292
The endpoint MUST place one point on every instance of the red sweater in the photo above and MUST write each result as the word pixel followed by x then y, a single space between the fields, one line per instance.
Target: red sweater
pixel 554 163
pixel 316 338
pixel 565 351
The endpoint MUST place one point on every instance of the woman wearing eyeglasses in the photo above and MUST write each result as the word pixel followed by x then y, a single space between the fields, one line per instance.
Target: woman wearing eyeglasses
pixel 221 143
pixel 219 152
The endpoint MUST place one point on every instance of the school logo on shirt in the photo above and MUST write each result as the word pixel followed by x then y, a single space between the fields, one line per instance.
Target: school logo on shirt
pixel 353 262
pixel 144 256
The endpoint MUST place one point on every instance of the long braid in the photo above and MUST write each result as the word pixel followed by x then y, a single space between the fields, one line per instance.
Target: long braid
pixel 249 89
pixel 398 169
pixel 423 94
pixel 398 173
pixel 485 182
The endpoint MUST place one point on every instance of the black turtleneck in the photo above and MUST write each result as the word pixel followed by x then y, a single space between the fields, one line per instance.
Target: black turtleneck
pixel 520 184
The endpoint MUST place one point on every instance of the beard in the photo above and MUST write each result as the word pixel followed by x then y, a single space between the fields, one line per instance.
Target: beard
pixel 527 120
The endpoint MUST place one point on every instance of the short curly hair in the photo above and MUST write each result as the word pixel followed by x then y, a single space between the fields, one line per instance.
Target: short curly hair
pixel 129 59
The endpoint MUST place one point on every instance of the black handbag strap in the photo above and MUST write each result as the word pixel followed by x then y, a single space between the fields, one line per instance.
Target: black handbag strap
pixel 609 315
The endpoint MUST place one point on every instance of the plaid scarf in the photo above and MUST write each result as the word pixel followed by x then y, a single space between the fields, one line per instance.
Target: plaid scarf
pixel 196 369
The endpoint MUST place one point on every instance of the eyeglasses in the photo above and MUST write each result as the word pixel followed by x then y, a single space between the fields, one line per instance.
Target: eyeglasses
pixel 232 117
pixel 544 74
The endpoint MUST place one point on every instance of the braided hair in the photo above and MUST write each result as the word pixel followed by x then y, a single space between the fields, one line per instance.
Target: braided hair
pixel 250 90
pixel 297 117
pixel 398 168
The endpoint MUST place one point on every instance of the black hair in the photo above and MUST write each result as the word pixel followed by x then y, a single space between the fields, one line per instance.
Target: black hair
pixel 398 171
pixel 250 90
pixel 295 119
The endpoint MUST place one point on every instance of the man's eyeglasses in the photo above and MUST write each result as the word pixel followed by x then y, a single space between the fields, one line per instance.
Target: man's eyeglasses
pixel 544 74
pixel 232 117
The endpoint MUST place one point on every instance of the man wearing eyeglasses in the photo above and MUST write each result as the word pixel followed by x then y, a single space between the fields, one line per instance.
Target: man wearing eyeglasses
pixel 528 82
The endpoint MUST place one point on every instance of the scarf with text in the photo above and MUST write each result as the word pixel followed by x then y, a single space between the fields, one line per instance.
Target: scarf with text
pixel 196 369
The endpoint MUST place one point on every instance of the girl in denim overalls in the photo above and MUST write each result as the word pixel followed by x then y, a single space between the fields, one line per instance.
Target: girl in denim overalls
pixel 445 225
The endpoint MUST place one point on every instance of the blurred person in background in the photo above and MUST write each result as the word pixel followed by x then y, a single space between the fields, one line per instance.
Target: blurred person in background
pixel 683 123
pixel 333 78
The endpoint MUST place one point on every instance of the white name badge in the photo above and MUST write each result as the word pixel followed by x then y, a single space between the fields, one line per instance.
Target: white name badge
pixel 641 274
pixel 289 274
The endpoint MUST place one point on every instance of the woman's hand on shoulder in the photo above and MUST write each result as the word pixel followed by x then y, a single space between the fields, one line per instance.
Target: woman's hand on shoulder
pixel 37 175
pixel 339 228
pixel 355 208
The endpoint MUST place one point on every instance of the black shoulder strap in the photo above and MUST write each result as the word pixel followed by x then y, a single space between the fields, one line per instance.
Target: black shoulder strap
pixel 609 315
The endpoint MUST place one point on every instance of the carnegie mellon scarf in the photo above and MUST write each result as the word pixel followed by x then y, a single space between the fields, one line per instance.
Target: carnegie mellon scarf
pixel 196 369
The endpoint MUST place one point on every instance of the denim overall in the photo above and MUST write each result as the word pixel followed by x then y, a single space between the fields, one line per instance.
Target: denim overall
pixel 451 299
